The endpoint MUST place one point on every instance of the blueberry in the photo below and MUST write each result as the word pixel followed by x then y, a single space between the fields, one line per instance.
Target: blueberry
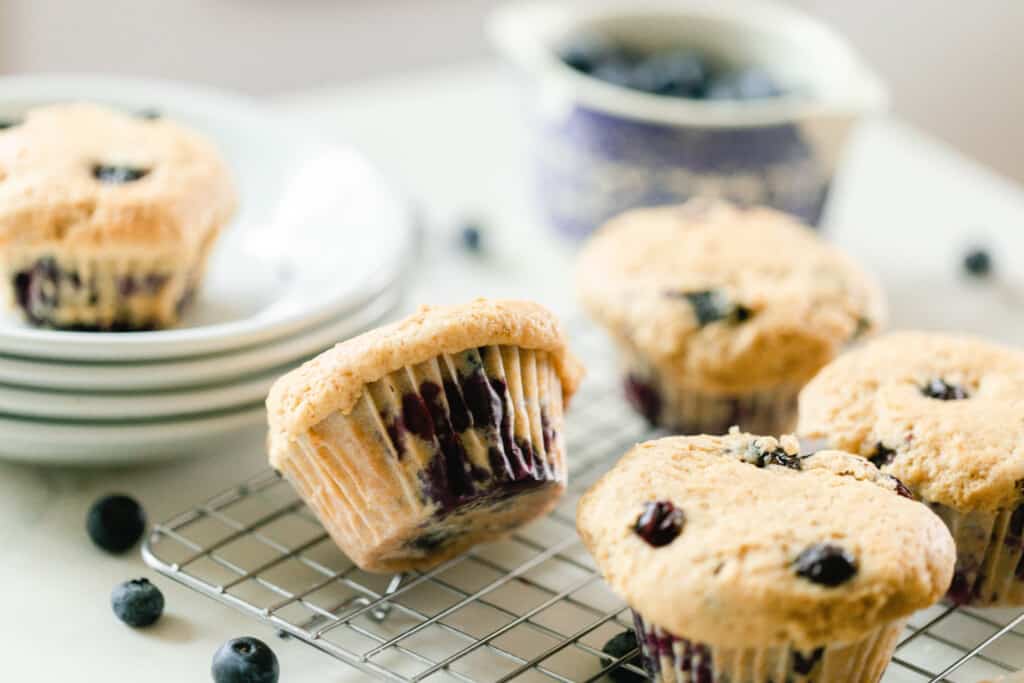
pixel 780 457
pixel 712 305
pixel 615 71
pixel 588 51
pixel 245 660
pixel 901 489
pixel 677 73
pixel 825 564
pixel 752 83
pixel 644 398
pixel 6 123
pixel 978 262
pixel 618 647
pixel 883 456
pixel 471 236
pixel 137 602
pixel 117 175
pixel 804 664
pixel 660 523
pixel 115 523
pixel 944 391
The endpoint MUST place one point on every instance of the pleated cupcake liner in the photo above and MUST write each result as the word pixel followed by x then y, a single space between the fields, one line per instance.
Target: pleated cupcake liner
pixel 108 290
pixel 990 556
pixel 669 659
pixel 683 410
pixel 436 457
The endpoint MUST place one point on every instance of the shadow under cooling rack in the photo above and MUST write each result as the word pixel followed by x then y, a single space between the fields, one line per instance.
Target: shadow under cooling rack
pixel 531 607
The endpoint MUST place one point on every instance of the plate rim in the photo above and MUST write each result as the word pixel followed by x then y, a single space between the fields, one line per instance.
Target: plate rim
pixel 368 313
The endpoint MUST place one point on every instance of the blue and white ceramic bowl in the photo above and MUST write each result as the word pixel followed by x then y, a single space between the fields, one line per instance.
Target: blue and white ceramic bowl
pixel 603 149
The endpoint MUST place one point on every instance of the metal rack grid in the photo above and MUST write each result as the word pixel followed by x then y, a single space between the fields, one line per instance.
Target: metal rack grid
pixel 531 607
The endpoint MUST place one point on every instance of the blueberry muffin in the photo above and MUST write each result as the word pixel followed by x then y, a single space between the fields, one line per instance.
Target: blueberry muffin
pixel 745 562
pixel 722 314
pixel 106 218
pixel 945 414
pixel 419 439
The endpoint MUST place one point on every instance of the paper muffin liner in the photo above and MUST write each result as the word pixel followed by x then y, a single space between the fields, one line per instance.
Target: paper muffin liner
pixel 990 556
pixel 669 659
pixel 105 290
pixel 684 410
pixel 436 457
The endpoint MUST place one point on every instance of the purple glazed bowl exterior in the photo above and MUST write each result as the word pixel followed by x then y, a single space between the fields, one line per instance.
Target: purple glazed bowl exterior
pixel 602 149
pixel 593 165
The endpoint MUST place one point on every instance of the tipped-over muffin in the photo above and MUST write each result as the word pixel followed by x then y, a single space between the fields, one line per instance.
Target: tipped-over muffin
pixel 106 218
pixel 945 414
pixel 420 439
pixel 722 314
pixel 745 562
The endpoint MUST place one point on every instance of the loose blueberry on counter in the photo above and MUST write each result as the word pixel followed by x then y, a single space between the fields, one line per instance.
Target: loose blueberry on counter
pixel 115 523
pixel 471 236
pixel 978 262
pixel 618 647
pixel 245 660
pixel 825 564
pixel 944 391
pixel 137 603
pixel 660 523
pixel 118 175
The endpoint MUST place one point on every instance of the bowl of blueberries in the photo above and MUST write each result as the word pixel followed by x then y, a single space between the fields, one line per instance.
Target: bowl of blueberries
pixel 644 103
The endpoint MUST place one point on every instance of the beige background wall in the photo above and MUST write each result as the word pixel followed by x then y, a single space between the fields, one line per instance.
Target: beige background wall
pixel 954 66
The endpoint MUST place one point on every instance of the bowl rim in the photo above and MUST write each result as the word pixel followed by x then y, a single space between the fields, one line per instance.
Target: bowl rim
pixel 525 32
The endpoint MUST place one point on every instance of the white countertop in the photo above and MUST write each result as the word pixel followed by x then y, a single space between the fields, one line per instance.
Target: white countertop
pixel 457 140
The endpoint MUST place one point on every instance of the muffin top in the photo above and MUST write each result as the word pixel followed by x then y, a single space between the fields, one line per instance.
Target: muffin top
pixel 334 380
pixel 723 299
pixel 83 175
pixel 737 541
pixel 943 413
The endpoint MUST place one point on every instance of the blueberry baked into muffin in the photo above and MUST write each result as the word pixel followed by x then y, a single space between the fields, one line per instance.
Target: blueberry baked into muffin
pixel 419 439
pixel 745 562
pixel 722 314
pixel 106 218
pixel 945 414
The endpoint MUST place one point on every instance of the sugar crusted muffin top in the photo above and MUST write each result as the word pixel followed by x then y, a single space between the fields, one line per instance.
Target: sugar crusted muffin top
pixel 944 413
pixel 334 380
pixel 724 299
pixel 769 548
pixel 83 175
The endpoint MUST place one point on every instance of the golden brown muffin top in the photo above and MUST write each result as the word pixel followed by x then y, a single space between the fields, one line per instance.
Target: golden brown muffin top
pixel 754 521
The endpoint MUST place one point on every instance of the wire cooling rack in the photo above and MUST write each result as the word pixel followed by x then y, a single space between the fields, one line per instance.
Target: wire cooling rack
pixel 531 607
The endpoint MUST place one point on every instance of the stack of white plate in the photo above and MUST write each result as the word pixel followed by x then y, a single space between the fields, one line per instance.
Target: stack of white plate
pixel 317 254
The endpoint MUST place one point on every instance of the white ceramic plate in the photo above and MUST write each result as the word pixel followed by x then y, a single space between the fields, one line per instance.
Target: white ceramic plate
pixel 82 443
pixel 21 402
pixel 318 226
pixel 38 374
